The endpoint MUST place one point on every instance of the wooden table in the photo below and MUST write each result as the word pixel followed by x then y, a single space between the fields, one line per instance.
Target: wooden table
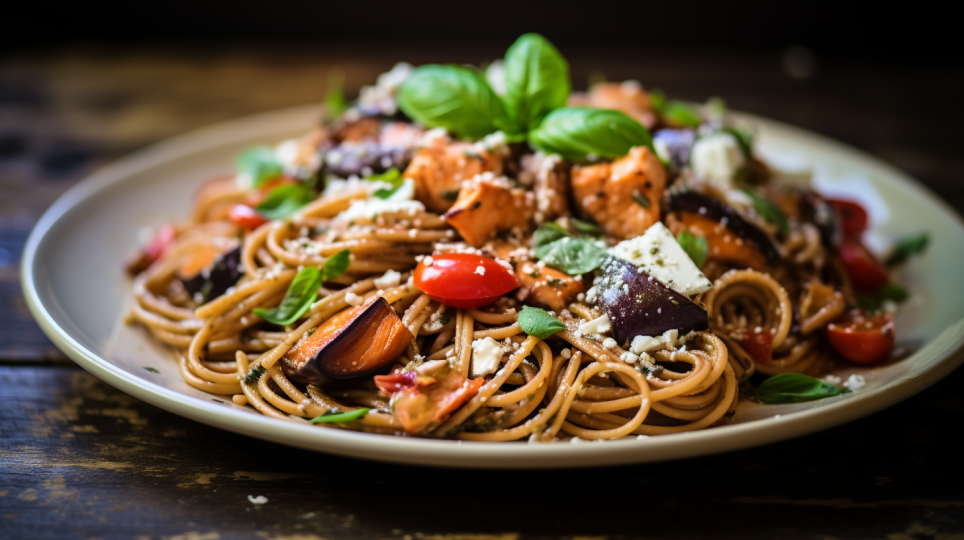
pixel 79 459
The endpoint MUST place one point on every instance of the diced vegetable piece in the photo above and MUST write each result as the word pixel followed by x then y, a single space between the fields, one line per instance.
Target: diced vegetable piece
pixel 624 196
pixel 209 274
pixel 852 217
pixel 438 391
pixel 542 286
pixel 714 209
pixel 861 337
pixel 354 343
pixel 486 206
pixel 757 342
pixel 661 256
pixel 464 280
pixel 674 145
pixel 639 305
pixel 866 273
pixel 245 216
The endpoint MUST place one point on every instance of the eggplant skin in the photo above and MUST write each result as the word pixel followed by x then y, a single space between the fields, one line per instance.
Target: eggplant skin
pixel 691 201
pixel 818 211
pixel 356 342
pixel 212 282
pixel 640 305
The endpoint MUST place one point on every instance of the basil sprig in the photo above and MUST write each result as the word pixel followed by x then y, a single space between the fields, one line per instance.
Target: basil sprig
pixel 907 247
pixel 770 212
pixel 537 322
pixel 577 133
pixel 330 417
pixel 299 297
pixel 260 164
pixel 795 388
pixel 285 200
pixel 392 177
pixel 456 98
pixel 695 246
pixel 304 290
pixel 536 80
pixel 558 249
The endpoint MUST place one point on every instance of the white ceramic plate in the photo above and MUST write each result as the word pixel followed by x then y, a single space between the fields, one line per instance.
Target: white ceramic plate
pixel 74 284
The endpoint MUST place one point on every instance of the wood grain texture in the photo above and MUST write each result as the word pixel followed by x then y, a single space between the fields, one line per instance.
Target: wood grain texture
pixel 79 459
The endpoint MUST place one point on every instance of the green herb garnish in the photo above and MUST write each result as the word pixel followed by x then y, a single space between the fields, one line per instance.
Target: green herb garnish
pixel 150 369
pixel 907 247
pixel 586 227
pixel 641 199
pixel 391 176
pixel 456 98
pixel 536 80
pixel 695 246
pixel 299 297
pixel 285 200
pixel 556 283
pixel 449 194
pixel 681 114
pixel 578 133
pixel 335 102
pixel 795 388
pixel 259 164
pixel 555 247
pixel 770 212
pixel 537 322
pixel 330 417
pixel 892 292
pixel 253 375
pixel 444 319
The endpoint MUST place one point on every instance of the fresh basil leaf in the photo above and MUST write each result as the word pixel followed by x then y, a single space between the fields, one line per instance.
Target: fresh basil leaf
pixel 335 102
pixel 301 294
pixel 770 212
pixel 336 265
pixel 537 322
pixel 548 233
pixel 586 227
pixel 907 247
pixel 260 164
pixel 892 292
pixel 452 97
pixel 695 246
pixel 795 388
pixel 571 255
pixel 536 80
pixel 285 200
pixel 681 114
pixel 331 417
pixel 391 176
pixel 577 133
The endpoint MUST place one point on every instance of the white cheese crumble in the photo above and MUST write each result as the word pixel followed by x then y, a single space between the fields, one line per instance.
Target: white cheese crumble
pixel 354 299
pixel 717 158
pixel 382 93
pixel 596 326
pixel 661 256
pixel 372 207
pixel 388 280
pixel 855 382
pixel 486 356
pixel 260 499
pixel 643 344
pixel 480 270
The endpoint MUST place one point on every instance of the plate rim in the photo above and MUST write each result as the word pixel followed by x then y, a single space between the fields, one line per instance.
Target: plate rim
pixel 944 350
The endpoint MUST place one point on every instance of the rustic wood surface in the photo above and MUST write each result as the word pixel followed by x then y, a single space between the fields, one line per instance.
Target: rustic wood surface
pixel 79 459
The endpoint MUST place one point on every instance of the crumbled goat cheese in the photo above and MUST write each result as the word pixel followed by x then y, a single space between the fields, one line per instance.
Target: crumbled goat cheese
pixel 659 254
pixel 833 379
pixel 382 94
pixel 260 499
pixel 486 356
pixel 596 326
pixel 643 344
pixel 370 208
pixel 855 382
pixel 388 280
pixel 354 299
pixel 717 158
pixel 480 270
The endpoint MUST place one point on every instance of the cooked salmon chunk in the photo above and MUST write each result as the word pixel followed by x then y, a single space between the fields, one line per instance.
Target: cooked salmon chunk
pixel 539 284
pixel 488 204
pixel 549 178
pixel 623 196
pixel 440 168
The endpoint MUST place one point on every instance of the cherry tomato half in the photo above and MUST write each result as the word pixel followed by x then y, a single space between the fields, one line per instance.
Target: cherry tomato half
pixel 758 345
pixel 464 280
pixel 861 337
pixel 246 217
pixel 852 217
pixel 866 273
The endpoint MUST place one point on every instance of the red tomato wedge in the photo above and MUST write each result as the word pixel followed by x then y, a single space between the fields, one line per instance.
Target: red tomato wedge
pixel 861 337
pixel 246 217
pixel 852 217
pixel 866 273
pixel 464 280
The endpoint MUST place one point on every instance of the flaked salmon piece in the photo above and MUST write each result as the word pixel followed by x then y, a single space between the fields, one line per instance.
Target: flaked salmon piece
pixel 487 205
pixel 624 196
pixel 549 178
pixel 724 245
pixel 439 170
pixel 539 285
pixel 628 97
